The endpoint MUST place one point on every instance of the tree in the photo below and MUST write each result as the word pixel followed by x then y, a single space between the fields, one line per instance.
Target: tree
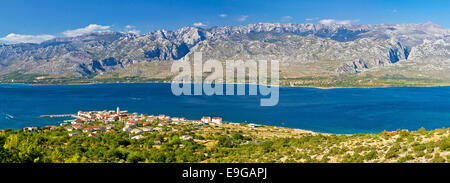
pixel 135 157
pixel 224 142
pixel 237 136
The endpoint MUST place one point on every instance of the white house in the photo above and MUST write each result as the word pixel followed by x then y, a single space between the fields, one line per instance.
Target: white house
pixel 251 125
pixel 206 119
pixel 68 128
pixel 131 123
pixel 136 131
pixel 158 128
pixel 147 129
pixel 217 120
pixel 31 129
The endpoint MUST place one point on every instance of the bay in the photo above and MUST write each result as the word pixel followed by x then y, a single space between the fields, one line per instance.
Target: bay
pixel 342 111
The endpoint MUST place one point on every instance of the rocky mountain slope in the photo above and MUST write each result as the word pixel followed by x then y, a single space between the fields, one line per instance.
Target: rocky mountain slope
pixel 303 49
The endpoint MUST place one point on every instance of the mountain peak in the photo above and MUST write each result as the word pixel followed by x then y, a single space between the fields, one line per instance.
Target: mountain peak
pixel 428 23
pixel 96 52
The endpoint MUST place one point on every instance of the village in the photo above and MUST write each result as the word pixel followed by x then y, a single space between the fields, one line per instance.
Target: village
pixel 121 136
pixel 109 121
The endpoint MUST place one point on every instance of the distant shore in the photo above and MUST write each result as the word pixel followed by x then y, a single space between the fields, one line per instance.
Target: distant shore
pixel 281 86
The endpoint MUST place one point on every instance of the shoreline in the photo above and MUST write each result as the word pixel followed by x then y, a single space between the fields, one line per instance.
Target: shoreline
pixel 300 130
pixel 280 86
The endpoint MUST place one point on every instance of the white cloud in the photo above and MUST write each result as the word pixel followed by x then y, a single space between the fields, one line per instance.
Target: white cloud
pixel 333 21
pixel 311 19
pixel 131 29
pixel 343 22
pixel 134 31
pixel 327 21
pixel 85 30
pixel 286 18
pixel 20 38
pixel 199 24
pixel 223 15
pixel 242 18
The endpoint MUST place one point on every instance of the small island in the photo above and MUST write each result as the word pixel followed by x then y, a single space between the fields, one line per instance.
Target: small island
pixel 117 136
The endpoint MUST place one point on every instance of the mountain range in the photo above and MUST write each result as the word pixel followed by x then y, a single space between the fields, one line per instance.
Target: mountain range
pixel 413 51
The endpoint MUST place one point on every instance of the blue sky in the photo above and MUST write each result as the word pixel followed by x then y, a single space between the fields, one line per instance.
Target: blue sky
pixel 38 20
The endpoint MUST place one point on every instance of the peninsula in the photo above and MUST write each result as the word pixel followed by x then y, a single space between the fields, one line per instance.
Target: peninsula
pixel 121 136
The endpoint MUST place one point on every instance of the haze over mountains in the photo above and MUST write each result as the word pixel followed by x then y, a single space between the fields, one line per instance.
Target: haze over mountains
pixel 411 50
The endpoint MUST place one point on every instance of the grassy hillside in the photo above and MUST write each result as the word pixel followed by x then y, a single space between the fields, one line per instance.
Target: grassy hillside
pixel 224 143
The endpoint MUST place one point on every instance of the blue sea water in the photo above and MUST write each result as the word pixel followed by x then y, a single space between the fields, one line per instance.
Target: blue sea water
pixel 344 111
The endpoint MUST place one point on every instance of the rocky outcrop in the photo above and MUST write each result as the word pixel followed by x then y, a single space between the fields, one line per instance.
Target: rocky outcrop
pixel 383 54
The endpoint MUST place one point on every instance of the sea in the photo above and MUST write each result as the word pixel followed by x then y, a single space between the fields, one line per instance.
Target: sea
pixel 339 111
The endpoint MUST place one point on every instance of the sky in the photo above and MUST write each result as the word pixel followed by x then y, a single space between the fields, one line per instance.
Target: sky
pixel 35 21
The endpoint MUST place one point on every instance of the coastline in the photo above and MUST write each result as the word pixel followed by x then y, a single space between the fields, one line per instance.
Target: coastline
pixel 297 130
pixel 280 86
